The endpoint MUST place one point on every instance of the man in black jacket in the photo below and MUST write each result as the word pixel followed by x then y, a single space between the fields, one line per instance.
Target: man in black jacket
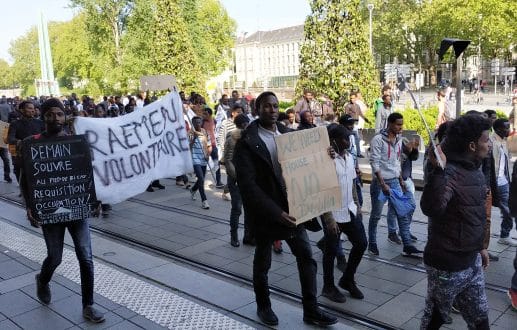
pixel 264 196
pixel 26 126
pixel 454 200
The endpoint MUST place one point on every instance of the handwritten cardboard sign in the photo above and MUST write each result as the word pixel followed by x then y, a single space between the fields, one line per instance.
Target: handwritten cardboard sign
pixel 60 178
pixel 3 128
pixel 131 151
pixel 309 173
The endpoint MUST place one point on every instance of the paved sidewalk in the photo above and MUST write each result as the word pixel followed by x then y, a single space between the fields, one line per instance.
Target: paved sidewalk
pixel 20 308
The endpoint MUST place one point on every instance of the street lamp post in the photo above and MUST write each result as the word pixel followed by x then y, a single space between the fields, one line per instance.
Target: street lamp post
pixel 370 9
pixel 245 62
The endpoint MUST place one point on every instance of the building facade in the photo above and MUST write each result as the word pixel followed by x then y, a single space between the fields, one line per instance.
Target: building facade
pixel 268 59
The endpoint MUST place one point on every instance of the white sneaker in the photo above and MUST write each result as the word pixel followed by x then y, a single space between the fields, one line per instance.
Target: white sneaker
pixel 205 205
pixel 226 197
pixel 192 194
pixel 507 241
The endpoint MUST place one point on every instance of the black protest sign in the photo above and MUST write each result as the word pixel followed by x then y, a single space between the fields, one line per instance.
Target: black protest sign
pixel 59 177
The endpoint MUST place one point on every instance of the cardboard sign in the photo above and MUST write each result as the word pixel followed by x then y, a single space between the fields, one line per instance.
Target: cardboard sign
pixel 157 83
pixel 131 151
pixel 309 173
pixel 59 175
pixel 3 128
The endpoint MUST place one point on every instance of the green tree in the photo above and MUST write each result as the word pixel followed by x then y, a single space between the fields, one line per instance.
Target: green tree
pixel 172 51
pixel 6 75
pixel 217 31
pixel 335 56
pixel 26 65
pixel 411 30
pixel 72 56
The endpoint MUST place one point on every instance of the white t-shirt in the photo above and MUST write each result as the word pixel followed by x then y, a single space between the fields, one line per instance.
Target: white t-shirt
pixel 501 177
pixel 345 169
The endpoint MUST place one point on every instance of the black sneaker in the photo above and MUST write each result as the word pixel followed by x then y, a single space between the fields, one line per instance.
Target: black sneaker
pixel 341 263
pixel 352 288
pixel 413 237
pixel 8 179
pixel 319 318
pixel 267 316
pixel 411 250
pixel 43 291
pixel 93 315
pixel 332 293
pixel 149 189
pixel 219 185
pixel 249 241
pixel 158 185
pixel 372 249
pixel 394 238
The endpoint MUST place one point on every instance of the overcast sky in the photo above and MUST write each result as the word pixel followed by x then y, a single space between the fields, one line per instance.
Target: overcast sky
pixel 251 15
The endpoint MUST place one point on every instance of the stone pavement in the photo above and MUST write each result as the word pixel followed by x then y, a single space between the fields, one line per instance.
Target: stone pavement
pixel 394 291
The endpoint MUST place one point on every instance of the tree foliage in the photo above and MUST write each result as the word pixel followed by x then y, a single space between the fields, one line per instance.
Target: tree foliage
pixel 6 75
pixel 412 30
pixel 172 51
pixel 110 44
pixel 335 56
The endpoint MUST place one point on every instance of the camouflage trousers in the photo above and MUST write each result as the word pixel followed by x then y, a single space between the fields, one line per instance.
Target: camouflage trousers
pixel 466 288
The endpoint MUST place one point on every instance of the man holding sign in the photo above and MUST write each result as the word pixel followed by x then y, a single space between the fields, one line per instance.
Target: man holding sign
pixel 264 195
pixel 58 193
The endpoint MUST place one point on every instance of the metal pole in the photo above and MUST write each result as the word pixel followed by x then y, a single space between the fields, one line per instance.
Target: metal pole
pixel 417 107
pixel 245 64
pixel 459 64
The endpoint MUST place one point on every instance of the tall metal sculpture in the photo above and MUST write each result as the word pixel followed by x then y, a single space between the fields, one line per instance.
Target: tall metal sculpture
pixel 46 85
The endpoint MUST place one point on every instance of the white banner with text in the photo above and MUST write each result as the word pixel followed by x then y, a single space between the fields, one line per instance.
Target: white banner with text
pixel 131 151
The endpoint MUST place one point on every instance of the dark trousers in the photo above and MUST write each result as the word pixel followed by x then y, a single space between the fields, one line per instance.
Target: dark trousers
pixel 17 164
pixel 301 249
pixel 54 237
pixel 5 159
pixel 200 171
pixel 236 210
pixel 354 230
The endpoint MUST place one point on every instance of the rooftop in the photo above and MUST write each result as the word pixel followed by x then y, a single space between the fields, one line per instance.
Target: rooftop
pixel 292 33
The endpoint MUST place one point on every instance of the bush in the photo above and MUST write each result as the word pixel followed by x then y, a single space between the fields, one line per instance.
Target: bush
pixel 412 120
pixel 501 114
pixel 284 105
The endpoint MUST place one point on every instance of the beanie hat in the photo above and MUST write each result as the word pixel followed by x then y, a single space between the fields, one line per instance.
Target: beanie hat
pixel 51 103
pixel 241 119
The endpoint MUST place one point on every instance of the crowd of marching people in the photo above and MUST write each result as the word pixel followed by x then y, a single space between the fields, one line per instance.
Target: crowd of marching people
pixel 467 170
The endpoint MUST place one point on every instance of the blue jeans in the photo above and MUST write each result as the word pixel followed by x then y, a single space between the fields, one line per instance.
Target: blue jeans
pixel 200 171
pixel 375 215
pixel 215 158
pixel 54 238
pixel 301 249
pixel 503 193
pixel 5 159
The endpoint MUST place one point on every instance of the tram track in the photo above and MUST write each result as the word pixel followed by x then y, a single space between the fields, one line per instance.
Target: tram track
pixel 401 265
pixel 233 276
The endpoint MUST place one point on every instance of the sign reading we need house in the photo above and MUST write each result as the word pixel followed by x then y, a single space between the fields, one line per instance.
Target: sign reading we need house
pixel 309 173
pixel 60 178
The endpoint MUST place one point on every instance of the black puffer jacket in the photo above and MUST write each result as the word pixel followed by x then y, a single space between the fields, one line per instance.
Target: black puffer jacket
pixel 454 201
